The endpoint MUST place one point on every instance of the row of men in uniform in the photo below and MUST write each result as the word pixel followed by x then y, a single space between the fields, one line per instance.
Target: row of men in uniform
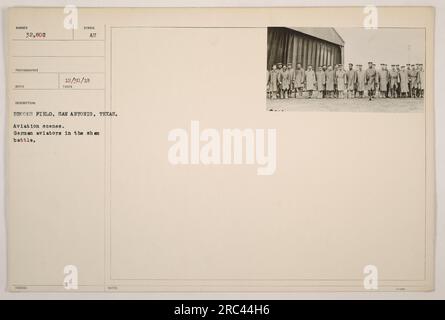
pixel 333 81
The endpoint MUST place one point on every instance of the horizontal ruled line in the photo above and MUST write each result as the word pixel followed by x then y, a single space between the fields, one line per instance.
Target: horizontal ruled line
pixel 58 40
pixel 55 72
pixel 58 56
pixel 61 89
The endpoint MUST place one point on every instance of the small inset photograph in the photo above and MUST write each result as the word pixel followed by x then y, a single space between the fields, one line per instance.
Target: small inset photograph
pixel 345 69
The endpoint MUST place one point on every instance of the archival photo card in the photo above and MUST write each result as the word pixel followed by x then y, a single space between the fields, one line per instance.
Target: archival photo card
pixel 146 153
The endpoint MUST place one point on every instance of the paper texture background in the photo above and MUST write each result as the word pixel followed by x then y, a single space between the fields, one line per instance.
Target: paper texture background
pixel 349 190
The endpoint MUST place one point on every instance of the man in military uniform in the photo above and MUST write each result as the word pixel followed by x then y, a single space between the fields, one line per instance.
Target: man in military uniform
pixel 382 80
pixel 351 79
pixel 330 76
pixel 420 81
pixel 325 68
pixel 340 77
pixel 292 77
pixel 299 79
pixel 274 81
pixel 285 82
pixel 310 81
pixel 321 82
pixel 280 70
pixel 376 84
pixel 408 69
pixel 371 80
pixel 361 80
pixel 394 81
pixel 398 84
pixel 335 81
pixel 412 73
pixel 403 78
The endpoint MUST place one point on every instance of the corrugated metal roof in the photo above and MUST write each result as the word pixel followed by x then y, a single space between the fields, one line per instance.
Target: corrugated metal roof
pixel 327 34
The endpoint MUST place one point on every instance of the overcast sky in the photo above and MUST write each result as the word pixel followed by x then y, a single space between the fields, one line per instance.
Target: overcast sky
pixel 390 46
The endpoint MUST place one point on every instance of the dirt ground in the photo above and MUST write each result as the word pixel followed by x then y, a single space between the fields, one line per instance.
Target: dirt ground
pixel 347 105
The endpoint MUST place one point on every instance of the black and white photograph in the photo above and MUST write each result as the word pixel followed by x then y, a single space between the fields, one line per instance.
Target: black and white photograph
pixel 345 69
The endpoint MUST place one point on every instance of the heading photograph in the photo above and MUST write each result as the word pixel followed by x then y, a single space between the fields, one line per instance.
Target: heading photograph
pixel 345 69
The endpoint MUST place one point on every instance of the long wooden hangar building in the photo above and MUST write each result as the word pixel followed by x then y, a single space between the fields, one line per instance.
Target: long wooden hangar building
pixel 308 46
